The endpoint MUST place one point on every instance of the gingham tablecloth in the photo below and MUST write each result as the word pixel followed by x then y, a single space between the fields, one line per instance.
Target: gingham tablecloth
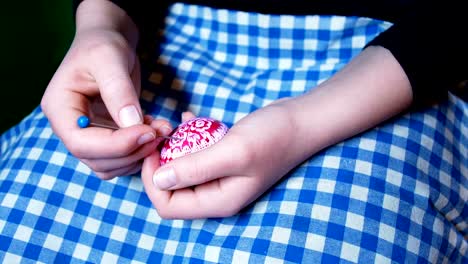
pixel 397 193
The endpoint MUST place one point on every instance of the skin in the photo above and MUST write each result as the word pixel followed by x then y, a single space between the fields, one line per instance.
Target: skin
pixel 100 76
pixel 238 169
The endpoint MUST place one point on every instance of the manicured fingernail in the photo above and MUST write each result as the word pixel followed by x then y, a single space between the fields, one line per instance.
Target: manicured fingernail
pixel 129 116
pixel 145 138
pixel 164 179
pixel 165 130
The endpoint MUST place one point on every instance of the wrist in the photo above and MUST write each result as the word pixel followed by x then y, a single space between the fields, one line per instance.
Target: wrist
pixel 290 130
pixel 369 90
pixel 95 15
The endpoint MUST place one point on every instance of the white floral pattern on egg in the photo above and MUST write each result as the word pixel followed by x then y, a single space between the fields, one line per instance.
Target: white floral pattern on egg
pixel 192 136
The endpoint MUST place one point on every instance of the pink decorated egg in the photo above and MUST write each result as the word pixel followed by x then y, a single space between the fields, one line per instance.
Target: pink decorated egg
pixel 192 136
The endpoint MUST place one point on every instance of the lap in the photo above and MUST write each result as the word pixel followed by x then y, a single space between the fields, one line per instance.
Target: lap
pixel 396 193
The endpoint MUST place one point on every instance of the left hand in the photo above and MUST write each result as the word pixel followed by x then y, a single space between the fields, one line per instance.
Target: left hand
pixel 224 178
pixel 262 147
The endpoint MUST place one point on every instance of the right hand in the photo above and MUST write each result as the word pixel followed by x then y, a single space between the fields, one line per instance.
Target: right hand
pixel 100 77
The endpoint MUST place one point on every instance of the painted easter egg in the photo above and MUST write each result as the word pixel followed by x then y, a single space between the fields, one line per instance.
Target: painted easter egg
pixel 192 136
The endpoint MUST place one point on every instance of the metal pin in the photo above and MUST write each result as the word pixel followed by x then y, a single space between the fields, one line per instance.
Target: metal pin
pixel 84 122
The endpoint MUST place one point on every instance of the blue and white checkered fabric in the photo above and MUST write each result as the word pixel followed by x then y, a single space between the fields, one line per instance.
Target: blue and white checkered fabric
pixel 395 194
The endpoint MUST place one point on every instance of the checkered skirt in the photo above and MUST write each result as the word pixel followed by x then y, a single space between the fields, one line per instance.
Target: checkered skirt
pixel 394 194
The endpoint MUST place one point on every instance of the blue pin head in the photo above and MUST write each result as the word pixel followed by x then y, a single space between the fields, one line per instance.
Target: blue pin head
pixel 83 121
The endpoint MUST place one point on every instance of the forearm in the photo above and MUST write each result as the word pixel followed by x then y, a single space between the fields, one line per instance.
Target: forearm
pixel 369 90
pixel 103 14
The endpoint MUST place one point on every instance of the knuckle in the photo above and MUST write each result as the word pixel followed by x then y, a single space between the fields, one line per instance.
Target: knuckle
pixel 136 167
pixel 224 207
pixel 124 147
pixel 164 213
pixel 95 166
pixel 198 174
pixel 243 154
pixel 44 105
pixel 235 205
pixel 74 149
pixel 101 49
pixel 90 164
pixel 105 175
pixel 227 211
pixel 112 78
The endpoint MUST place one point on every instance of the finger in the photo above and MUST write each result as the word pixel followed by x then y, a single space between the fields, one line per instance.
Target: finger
pixel 202 166
pixel 112 69
pixel 93 142
pixel 105 165
pixel 186 116
pixel 125 171
pixel 232 195
pixel 136 169
pixel 162 127
pixel 187 203
pixel 101 143
pixel 150 164
pixel 161 199
pixel 218 198
pixel 147 119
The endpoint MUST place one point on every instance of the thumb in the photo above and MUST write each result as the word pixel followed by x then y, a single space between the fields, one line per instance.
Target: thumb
pixel 113 71
pixel 209 164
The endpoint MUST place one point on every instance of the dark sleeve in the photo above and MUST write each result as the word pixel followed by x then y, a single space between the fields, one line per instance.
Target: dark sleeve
pixel 427 42
pixel 426 37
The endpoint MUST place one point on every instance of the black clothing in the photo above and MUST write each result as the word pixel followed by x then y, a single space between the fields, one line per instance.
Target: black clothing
pixel 425 36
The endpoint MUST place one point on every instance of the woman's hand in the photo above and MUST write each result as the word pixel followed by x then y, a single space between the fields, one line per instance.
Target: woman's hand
pixel 224 178
pixel 100 77
pixel 261 148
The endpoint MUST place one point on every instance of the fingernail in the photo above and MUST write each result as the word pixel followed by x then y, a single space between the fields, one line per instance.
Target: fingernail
pixel 145 138
pixel 129 116
pixel 165 130
pixel 164 179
